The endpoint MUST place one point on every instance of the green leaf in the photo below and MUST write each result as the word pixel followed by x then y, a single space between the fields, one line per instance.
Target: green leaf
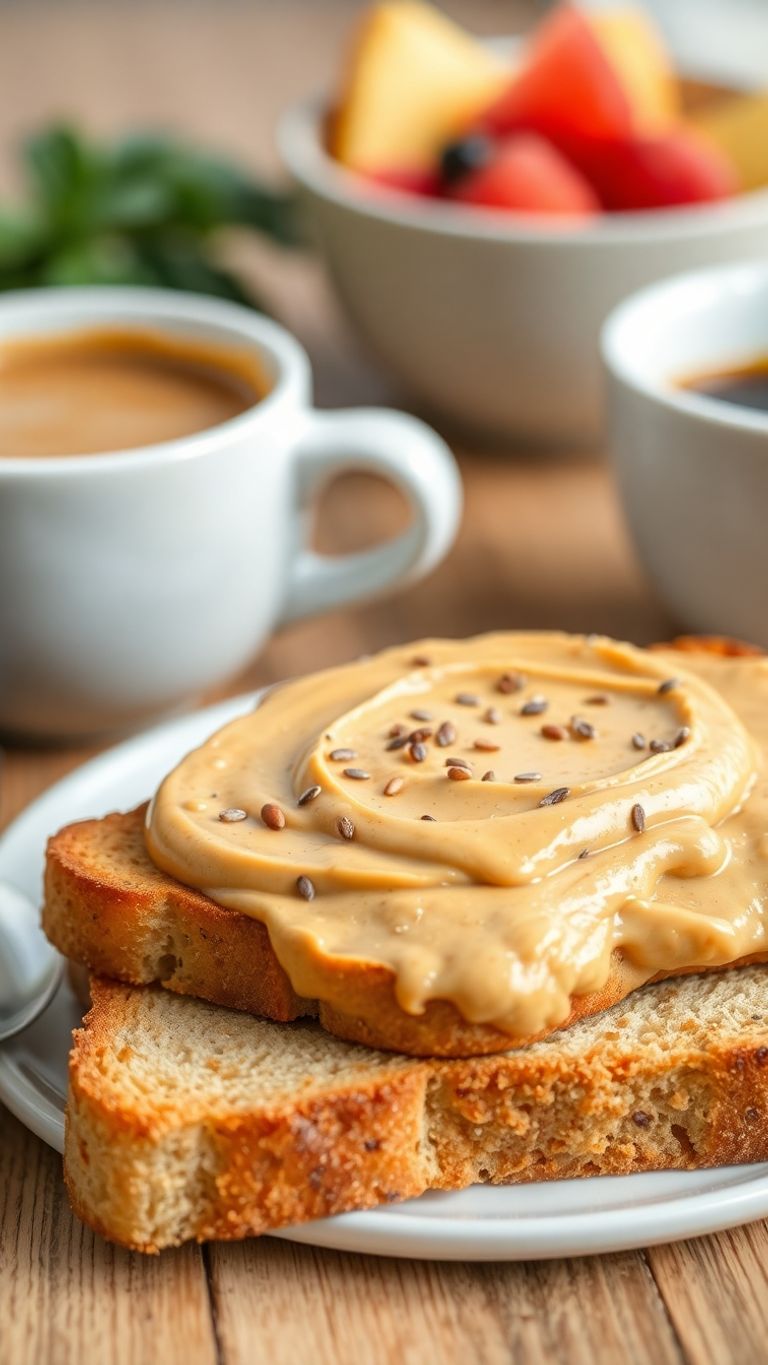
pixel 182 265
pixel 62 169
pixel 143 210
pixel 108 261
pixel 22 238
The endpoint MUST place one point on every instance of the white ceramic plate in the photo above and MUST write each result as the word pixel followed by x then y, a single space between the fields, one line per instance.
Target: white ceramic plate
pixel 573 1217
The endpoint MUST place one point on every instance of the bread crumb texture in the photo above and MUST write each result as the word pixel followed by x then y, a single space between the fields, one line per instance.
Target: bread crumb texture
pixel 189 1121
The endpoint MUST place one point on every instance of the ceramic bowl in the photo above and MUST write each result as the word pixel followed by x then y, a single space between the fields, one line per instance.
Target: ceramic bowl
pixel 492 320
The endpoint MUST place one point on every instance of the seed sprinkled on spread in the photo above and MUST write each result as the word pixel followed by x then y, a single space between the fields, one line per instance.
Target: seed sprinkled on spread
pixel 490 776
pixel 459 774
pixel 554 798
pixel 599 699
pixel 397 730
pixel 342 755
pixel 357 774
pixel 492 716
pixel 397 742
pixel 420 715
pixel 457 763
pixel 418 752
pixel 637 816
pixel 527 777
pixel 467 699
pixel 311 794
pixel 416 736
pixel 554 732
pixel 305 888
pixel 446 734
pixel 660 746
pixel 232 814
pixel 681 736
pixel 433 818
pixel 668 685
pixel 486 747
pixel 346 827
pixel 534 707
pixel 394 785
pixel 272 816
pixel 638 740
pixel 420 661
pixel 584 853
pixel 510 682
pixel 582 729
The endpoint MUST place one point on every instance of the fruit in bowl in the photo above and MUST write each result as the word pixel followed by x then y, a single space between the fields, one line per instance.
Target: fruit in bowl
pixel 477 249
pixel 590 119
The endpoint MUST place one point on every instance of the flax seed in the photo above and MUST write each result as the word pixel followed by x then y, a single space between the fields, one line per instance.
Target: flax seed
pixel 272 816
pixel 446 734
pixel 554 732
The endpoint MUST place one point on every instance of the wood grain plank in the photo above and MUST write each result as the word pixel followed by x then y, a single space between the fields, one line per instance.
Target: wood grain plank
pixel 67 1297
pixel 282 1302
pixel 542 545
pixel 716 1293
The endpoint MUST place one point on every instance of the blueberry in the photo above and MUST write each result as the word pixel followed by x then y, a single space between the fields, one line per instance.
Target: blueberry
pixel 463 156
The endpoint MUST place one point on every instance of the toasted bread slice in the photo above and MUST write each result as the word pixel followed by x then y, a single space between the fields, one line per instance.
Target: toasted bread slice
pixel 188 1121
pixel 109 908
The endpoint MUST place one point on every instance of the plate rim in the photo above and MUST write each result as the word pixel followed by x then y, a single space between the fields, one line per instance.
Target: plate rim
pixel 387 1232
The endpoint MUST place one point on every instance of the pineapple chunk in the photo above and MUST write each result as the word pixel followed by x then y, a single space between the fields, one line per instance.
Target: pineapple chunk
pixel 739 127
pixel 413 80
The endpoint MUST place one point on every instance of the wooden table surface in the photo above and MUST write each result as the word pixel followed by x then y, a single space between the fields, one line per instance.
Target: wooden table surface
pixel 542 545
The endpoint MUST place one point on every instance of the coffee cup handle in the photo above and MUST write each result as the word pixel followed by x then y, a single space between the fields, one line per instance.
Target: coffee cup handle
pixel 402 450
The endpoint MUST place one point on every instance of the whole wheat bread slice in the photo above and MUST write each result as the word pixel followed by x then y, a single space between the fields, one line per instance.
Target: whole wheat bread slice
pixel 190 1121
pixel 108 907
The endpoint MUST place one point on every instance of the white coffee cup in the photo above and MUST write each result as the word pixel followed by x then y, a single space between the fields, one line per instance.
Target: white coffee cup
pixel 693 470
pixel 132 581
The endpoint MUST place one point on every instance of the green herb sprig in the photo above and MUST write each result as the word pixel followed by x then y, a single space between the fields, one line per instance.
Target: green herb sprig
pixel 144 210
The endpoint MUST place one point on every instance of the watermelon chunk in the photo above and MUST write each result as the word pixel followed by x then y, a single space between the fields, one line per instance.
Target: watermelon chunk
pixel 526 173
pixel 567 85
pixel 424 183
pixel 679 167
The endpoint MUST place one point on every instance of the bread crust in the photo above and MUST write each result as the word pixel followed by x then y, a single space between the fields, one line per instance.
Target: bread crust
pixel 647 1088
pixel 108 907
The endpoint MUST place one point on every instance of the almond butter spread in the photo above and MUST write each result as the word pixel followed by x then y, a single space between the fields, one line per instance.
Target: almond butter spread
pixel 490 819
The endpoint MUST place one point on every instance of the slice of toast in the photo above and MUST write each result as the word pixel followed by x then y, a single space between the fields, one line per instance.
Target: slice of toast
pixel 189 1121
pixel 109 908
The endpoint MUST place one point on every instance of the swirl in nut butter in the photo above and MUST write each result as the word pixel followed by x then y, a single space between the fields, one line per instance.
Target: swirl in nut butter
pixel 490 819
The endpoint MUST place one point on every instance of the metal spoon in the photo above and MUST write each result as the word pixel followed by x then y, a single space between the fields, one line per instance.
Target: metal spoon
pixel 30 969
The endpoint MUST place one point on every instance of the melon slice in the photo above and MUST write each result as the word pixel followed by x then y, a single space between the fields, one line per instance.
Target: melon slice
pixel 674 168
pixel 603 76
pixel 739 127
pixel 414 79
pixel 527 174
pixel 635 49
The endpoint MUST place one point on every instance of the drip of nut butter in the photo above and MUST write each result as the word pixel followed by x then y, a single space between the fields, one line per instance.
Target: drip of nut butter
pixel 490 819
